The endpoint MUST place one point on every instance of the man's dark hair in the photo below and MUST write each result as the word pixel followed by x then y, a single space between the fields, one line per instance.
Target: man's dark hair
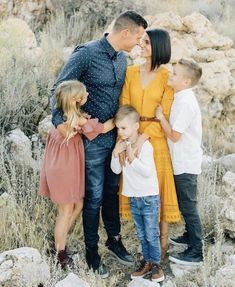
pixel 161 47
pixel 129 20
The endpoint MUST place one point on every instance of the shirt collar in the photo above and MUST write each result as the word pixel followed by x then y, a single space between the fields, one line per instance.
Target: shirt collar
pixel 183 93
pixel 108 47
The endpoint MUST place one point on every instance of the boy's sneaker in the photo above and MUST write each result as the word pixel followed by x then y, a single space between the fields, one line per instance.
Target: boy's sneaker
pixel 157 273
pixel 102 271
pixel 117 249
pixel 189 257
pixel 179 241
pixel 144 269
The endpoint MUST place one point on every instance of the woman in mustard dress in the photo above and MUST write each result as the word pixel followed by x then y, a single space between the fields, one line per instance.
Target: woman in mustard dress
pixel 145 88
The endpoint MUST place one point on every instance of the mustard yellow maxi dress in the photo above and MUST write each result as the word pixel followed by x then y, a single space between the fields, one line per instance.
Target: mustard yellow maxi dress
pixel 145 100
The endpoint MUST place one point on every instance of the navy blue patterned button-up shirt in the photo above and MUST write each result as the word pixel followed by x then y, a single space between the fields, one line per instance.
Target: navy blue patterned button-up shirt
pixel 102 70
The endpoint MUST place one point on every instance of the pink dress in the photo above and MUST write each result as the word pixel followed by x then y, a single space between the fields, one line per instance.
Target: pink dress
pixel 62 176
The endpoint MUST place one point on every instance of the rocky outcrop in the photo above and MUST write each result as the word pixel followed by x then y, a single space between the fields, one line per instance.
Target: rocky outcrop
pixel 194 37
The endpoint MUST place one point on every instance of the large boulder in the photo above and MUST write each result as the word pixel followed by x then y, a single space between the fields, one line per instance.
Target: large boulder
pixel 16 37
pixel 20 148
pixel 23 267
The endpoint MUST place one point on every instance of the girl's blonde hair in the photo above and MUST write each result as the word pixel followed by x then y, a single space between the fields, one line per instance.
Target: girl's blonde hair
pixel 69 94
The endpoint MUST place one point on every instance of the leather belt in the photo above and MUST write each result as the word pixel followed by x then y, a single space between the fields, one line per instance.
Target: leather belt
pixel 146 119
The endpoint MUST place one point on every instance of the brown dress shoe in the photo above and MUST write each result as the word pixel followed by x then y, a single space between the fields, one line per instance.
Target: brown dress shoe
pixel 144 269
pixel 157 273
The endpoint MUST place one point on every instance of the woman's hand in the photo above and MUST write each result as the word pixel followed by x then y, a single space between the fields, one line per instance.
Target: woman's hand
pixel 138 145
pixel 130 153
pixel 108 126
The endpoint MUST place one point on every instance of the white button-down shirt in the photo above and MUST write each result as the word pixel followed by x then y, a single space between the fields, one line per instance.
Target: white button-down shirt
pixel 185 118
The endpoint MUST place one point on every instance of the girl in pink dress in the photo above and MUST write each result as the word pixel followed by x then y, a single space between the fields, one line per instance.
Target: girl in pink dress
pixel 63 170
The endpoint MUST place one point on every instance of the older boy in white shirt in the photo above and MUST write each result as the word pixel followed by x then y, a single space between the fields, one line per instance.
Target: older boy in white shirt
pixel 184 133
pixel 140 184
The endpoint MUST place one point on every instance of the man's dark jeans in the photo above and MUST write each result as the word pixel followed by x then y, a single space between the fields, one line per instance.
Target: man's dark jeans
pixel 186 188
pixel 101 192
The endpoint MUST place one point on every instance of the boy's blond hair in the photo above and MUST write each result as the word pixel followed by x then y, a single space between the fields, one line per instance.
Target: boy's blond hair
pixel 127 111
pixel 193 70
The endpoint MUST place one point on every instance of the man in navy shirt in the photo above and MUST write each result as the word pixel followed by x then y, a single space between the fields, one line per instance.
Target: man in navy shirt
pixel 101 66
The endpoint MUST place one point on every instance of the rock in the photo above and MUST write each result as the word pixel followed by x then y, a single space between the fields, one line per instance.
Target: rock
pixel 196 23
pixel 44 127
pixel 16 33
pixel 215 109
pixel 23 267
pixel 214 73
pixel 20 148
pixel 231 259
pixel 207 161
pixel 208 55
pixel 210 39
pixel 182 270
pixel 169 283
pixel 168 21
pixel 230 53
pixel 143 283
pixel 227 162
pixel 182 46
pixel 72 280
pixel 225 276
pixel 229 180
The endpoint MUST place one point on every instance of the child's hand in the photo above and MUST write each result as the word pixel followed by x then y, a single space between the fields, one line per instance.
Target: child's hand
pixel 159 113
pixel 119 148
pixel 108 126
pixel 130 153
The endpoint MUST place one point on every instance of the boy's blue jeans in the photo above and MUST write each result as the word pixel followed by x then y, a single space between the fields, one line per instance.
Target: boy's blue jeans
pixel 145 212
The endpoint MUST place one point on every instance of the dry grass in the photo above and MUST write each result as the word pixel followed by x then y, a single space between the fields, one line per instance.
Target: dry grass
pixel 28 220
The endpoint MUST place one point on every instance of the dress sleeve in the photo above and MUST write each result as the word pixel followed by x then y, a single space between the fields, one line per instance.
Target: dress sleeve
pixel 92 128
pixel 154 129
pixel 125 95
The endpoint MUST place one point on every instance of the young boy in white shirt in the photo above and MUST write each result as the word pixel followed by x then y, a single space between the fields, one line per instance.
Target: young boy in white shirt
pixel 140 184
pixel 184 133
